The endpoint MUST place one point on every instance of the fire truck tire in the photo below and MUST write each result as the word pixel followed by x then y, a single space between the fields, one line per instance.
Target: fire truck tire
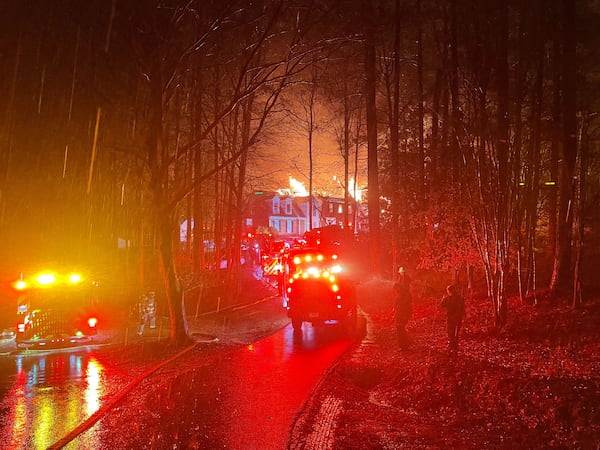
pixel 296 324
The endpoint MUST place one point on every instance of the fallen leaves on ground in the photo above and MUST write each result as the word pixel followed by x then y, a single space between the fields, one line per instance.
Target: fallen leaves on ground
pixel 535 384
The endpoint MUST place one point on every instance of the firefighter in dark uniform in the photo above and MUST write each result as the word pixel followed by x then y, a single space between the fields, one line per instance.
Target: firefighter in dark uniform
pixel 403 307
pixel 454 304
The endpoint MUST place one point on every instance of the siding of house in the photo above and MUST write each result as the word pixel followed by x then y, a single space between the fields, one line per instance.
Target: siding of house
pixel 289 216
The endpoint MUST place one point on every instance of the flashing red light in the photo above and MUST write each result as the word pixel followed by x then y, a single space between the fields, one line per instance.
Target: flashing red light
pixel 92 322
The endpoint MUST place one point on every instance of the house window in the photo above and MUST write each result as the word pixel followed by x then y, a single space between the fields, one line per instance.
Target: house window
pixel 330 205
pixel 340 208
pixel 276 205
pixel 289 226
pixel 288 206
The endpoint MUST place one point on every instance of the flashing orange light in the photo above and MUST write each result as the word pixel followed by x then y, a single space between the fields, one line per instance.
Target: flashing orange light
pixel 319 257
pixel 308 258
pixel 335 288
pixel 92 322
pixel 20 285
pixel 334 256
pixel 297 260
pixel 336 269
pixel 45 278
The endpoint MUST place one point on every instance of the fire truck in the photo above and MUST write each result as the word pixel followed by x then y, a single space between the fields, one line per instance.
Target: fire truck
pixel 318 289
pixel 55 310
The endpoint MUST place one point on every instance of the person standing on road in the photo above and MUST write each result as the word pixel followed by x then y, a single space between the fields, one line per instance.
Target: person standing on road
pixel 403 307
pixel 454 304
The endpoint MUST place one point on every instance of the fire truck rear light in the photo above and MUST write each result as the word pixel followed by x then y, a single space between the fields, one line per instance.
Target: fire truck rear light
pixel 92 322
pixel 74 278
pixel 46 278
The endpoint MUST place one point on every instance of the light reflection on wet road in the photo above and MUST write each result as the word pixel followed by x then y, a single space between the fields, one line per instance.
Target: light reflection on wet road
pixel 241 399
pixel 46 393
pixel 267 384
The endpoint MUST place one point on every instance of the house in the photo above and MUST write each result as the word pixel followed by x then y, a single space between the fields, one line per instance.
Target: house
pixel 288 216
pixel 273 212
pixel 332 213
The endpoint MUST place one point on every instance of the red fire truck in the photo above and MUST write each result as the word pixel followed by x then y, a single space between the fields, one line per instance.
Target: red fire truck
pixel 318 289
pixel 55 310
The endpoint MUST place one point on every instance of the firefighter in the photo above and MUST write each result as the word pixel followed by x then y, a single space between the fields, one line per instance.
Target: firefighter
pixel 403 307
pixel 147 311
pixel 454 304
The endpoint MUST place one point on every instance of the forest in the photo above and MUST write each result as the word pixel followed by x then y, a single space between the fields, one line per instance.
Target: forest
pixel 471 127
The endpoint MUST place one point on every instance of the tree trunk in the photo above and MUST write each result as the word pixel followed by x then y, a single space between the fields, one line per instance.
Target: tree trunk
pixel 421 188
pixel 371 113
pixel 163 215
pixel 175 299
pixel 396 180
pixel 555 145
pixel 503 222
pixel 562 274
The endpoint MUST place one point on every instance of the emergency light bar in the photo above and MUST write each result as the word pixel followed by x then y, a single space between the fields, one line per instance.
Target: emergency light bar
pixel 47 279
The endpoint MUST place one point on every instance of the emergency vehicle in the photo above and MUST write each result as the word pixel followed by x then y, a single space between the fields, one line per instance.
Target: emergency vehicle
pixel 318 289
pixel 55 310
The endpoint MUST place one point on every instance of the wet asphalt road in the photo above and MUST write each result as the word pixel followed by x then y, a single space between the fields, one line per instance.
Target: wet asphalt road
pixel 242 397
